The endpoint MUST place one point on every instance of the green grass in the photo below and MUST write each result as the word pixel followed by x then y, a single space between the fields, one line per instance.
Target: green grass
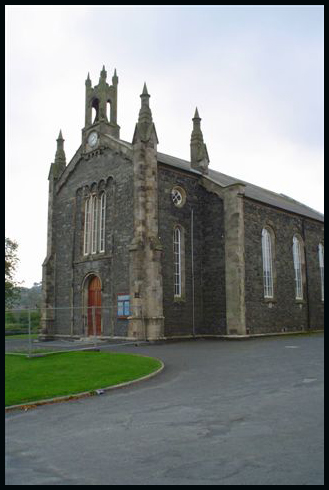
pixel 21 336
pixel 32 379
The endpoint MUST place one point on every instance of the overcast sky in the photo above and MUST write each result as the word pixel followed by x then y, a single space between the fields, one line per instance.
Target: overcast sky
pixel 255 74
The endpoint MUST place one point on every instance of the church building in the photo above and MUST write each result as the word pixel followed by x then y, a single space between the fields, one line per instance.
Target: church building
pixel 146 246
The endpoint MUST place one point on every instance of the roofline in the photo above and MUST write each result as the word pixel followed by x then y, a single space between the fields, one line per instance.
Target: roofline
pixel 128 146
pixel 245 184
pixel 283 209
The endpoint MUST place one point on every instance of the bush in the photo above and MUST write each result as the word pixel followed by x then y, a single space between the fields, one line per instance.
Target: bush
pixel 18 321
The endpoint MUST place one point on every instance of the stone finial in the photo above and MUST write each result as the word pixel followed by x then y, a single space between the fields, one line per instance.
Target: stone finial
pixel 103 73
pixel 88 81
pixel 115 78
pixel 60 158
pixel 145 127
pixel 145 92
pixel 145 114
pixel 199 153
pixel 196 114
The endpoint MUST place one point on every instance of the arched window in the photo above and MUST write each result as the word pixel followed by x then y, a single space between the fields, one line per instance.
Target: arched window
pixel 94 226
pixel 297 255
pixel 102 222
pixel 321 264
pixel 177 262
pixel 86 246
pixel 267 263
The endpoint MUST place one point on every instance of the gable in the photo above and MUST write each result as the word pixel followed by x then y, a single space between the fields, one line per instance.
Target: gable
pixel 117 152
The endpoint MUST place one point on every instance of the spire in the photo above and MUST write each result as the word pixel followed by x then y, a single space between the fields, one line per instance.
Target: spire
pixel 145 92
pixel 197 135
pixel 115 78
pixel 145 114
pixel 88 81
pixel 196 114
pixel 145 124
pixel 103 73
pixel 60 159
pixel 199 153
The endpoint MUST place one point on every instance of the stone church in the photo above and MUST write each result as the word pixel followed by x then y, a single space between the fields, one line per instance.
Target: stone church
pixel 144 245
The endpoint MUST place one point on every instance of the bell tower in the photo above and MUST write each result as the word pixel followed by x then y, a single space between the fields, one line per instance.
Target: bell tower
pixel 100 111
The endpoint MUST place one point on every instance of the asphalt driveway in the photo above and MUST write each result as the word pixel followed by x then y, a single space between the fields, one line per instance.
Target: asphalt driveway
pixel 220 413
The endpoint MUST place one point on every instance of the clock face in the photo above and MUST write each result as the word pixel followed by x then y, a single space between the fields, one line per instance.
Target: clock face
pixel 92 139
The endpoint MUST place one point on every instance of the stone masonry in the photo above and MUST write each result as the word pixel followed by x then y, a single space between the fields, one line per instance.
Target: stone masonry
pixel 112 215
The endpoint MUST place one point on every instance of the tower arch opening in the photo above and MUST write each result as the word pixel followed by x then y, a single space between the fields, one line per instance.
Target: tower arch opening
pixel 108 110
pixel 95 110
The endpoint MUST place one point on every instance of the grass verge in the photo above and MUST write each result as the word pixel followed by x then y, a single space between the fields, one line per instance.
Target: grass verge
pixel 21 336
pixel 32 379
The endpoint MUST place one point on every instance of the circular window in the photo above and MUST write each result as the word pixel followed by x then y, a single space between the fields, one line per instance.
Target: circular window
pixel 178 196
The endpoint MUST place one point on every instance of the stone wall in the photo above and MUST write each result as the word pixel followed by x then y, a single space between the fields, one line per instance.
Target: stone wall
pixel 112 172
pixel 284 312
pixel 211 302
pixel 208 244
pixel 314 234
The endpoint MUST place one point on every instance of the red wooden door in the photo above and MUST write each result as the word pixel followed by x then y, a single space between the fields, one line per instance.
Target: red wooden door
pixel 94 303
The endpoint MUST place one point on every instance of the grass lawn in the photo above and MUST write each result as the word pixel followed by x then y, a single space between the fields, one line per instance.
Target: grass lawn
pixel 21 336
pixel 31 379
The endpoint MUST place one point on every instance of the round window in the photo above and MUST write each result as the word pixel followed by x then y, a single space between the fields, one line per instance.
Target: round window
pixel 178 196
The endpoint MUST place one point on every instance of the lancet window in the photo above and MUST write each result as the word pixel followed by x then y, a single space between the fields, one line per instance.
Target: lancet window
pixel 94 224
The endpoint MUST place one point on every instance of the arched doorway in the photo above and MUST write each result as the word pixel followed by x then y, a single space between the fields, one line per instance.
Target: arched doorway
pixel 94 306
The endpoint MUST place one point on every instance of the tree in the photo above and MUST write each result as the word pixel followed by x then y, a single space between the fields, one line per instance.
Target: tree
pixel 11 259
pixel 30 297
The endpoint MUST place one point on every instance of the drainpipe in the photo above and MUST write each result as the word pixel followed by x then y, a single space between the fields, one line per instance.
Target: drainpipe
pixel 306 279
pixel 192 260
pixel 72 266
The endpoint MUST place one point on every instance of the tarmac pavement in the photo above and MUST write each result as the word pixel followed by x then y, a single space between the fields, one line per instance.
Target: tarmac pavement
pixel 220 413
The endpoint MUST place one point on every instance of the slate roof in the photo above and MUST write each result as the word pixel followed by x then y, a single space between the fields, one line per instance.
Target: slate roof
pixel 252 191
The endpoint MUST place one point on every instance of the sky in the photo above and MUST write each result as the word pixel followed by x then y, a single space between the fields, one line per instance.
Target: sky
pixel 256 74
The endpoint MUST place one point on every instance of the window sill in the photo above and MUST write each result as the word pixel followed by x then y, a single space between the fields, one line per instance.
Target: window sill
pixel 96 254
pixel 92 257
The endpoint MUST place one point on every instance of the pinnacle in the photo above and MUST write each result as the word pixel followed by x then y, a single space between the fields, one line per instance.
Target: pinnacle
pixel 196 114
pixel 88 81
pixel 60 159
pixel 145 92
pixel 103 72
pixel 115 77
